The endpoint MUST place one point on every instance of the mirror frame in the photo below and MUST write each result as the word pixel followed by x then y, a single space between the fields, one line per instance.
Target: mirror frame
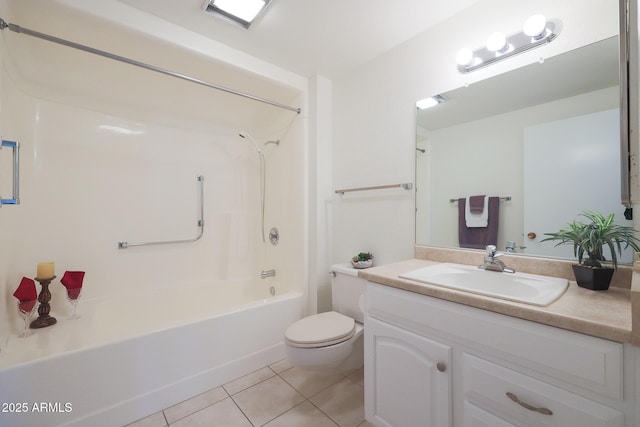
pixel 625 129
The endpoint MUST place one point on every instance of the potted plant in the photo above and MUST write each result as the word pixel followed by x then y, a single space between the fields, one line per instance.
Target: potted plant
pixel 362 260
pixel 589 238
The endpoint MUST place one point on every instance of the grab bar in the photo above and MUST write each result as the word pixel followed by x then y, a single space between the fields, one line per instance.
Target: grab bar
pixel 125 245
pixel 406 186
pixel 15 200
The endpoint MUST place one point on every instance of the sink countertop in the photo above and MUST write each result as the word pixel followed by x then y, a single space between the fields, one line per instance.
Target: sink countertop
pixel 604 314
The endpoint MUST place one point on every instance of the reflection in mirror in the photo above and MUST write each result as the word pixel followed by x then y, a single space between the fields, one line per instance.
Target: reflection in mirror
pixel 547 136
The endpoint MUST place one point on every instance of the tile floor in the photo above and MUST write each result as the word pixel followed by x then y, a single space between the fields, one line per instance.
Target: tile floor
pixel 278 395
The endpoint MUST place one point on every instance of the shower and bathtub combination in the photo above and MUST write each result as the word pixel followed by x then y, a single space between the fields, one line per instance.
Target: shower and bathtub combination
pixel 109 152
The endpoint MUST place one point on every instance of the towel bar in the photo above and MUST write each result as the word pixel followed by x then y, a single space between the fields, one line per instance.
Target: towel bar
pixel 506 199
pixel 15 200
pixel 406 186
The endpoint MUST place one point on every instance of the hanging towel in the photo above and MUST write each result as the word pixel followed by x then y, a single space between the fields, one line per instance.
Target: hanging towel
pixel 477 204
pixel 479 237
pixel 480 218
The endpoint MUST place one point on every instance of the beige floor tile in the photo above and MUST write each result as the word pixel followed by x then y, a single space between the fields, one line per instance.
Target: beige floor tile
pixel 248 380
pixel 281 366
pixel 266 400
pixel 278 400
pixel 343 402
pixel 357 376
pixel 224 413
pixel 154 420
pixel 195 404
pixel 309 383
pixel 305 414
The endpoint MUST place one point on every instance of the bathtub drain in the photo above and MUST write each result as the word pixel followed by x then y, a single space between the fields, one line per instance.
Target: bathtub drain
pixel 272 290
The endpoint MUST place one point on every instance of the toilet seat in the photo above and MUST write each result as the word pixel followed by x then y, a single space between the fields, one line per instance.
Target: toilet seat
pixel 320 330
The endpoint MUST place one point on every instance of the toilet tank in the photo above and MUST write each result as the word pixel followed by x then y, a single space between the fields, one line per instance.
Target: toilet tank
pixel 347 291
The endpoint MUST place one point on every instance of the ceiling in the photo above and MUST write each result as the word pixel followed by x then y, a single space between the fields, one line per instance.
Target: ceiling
pixel 327 37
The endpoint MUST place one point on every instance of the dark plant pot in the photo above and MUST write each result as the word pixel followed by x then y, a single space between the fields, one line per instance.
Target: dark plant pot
pixel 596 279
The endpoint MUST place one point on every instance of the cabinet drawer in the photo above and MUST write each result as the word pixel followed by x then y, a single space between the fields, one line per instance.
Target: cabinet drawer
pixel 476 417
pixel 527 401
pixel 558 355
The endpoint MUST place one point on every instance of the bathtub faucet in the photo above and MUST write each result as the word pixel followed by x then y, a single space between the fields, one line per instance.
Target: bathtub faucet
pixel 267 273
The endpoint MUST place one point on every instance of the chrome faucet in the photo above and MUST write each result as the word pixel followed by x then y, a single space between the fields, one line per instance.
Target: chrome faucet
pixel 493 264
pixel 267 273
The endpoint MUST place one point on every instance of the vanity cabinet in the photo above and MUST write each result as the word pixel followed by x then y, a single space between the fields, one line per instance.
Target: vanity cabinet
pixel 430 362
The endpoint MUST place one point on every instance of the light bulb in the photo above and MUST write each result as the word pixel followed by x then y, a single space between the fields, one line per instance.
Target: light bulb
pixel 496 42
pixel 464 57
pixel 535 26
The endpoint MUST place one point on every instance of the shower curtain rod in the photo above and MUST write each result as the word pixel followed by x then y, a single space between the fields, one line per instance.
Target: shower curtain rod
pixel 22 30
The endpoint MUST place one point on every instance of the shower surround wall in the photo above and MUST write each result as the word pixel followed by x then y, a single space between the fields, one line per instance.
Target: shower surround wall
pixel 111 153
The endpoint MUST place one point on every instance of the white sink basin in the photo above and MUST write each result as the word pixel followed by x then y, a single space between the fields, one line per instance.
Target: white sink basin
pixel 521 287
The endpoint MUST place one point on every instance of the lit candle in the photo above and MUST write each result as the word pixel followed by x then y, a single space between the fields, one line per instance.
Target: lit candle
pixel 45 270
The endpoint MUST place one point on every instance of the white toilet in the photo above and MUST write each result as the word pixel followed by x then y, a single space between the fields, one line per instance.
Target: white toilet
pixel 332 342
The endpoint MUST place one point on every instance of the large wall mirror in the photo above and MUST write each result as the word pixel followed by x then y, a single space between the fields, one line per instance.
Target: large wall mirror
pixel 545 138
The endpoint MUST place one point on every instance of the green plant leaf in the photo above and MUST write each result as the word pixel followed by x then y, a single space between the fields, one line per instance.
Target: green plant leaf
pixel 590 237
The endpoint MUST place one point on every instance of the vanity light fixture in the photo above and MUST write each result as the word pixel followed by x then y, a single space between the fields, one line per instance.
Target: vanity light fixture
pixel 423 104
pixel 536 32
pixel 497 43
pixel 465 57
pixel 535 27
pixel 243 12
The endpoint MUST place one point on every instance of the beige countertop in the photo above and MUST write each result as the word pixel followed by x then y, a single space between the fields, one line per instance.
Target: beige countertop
pixel 604 314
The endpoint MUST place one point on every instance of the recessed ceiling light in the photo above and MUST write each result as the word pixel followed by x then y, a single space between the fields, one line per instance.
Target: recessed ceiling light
pixel 423 104
pixel 243 12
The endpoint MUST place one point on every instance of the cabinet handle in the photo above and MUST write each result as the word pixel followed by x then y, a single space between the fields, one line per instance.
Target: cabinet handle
pixel 441 366
pixel 525 405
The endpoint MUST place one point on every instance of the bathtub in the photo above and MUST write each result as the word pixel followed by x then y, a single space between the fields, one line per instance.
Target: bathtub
pixel 128 357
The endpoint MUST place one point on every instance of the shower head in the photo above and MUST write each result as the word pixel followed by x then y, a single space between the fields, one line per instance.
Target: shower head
pixel 246 135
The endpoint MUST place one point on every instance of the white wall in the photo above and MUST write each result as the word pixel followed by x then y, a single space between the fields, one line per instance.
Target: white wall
pixel 374 112
pixel 320 191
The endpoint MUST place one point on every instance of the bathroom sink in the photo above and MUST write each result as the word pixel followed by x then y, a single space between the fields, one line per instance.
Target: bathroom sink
pixel 521 287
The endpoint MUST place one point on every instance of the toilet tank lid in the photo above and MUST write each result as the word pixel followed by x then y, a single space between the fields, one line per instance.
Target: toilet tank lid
pixel 344 269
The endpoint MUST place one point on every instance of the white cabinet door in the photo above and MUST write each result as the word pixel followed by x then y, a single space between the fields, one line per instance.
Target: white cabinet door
pixel 407 378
